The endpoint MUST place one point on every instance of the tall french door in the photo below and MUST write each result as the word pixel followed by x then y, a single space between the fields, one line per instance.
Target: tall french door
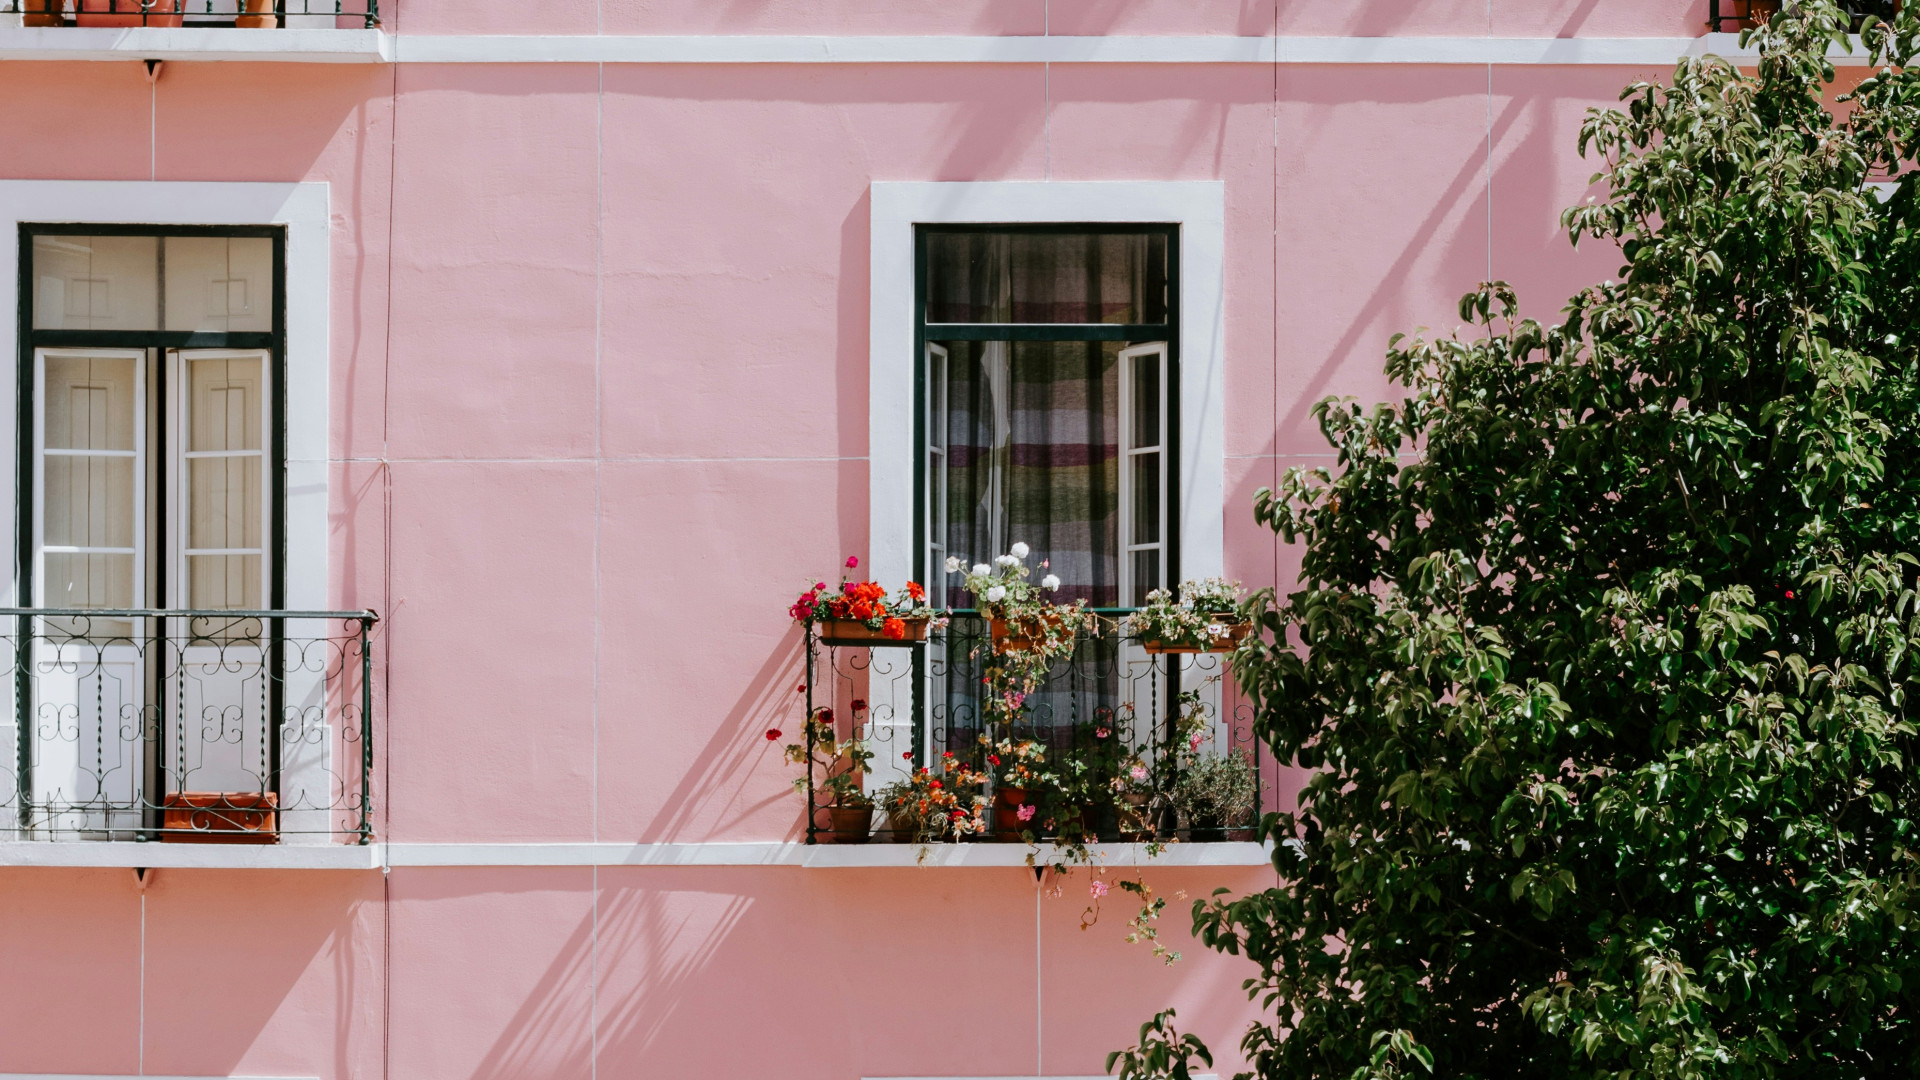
pixel 151 489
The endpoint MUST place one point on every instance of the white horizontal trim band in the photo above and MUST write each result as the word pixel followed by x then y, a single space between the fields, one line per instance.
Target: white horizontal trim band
pixel 374 856
pixel 1190 49
pixel 194 43
pixel 376 46
pixel 132 1076
pixel 184 856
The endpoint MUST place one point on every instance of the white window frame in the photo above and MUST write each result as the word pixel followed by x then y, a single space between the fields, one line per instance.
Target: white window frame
pixel 1130 448
pixel 1197 207
pixel 179 494
pixel 303 209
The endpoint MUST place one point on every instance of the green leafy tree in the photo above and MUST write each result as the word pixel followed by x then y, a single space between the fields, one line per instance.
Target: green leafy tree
pixel 1603 651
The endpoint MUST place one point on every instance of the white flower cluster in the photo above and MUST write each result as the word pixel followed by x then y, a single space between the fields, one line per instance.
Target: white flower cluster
pixel 1004 577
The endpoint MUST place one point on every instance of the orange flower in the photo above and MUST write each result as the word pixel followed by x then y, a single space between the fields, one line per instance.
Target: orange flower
pixel 894 629
pixel 914 590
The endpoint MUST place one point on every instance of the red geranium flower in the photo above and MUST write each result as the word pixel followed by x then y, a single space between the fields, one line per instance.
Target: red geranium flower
pixel 993 759
pixel 914 590
pixel 773 734
pixel 859 705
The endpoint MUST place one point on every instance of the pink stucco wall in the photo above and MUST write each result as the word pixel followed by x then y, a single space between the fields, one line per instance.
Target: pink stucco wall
pixel 600 368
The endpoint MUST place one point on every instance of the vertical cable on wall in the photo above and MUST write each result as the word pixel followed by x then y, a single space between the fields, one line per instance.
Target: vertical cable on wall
pixel 141 1053
pixel 1039 1001
pixel 599 516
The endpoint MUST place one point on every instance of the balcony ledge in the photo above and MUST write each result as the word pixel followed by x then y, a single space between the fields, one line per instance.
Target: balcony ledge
pixel 84 853
pixel 377 856
pixel 318 46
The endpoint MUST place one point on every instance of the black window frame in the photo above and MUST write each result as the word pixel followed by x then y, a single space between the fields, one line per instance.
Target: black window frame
pixel 1136 333
pixel 30 339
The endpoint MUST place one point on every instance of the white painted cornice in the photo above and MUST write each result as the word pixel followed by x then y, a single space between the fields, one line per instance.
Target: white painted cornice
pixel 376 46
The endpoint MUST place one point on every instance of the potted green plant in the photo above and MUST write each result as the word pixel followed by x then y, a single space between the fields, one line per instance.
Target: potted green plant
pixel 861 613
pixel 928 806
pixel 1215 793
pixel 1204 618
pixel 843 765
pixel 1019 774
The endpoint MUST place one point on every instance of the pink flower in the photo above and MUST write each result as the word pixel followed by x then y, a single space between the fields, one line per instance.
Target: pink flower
pixel 1025 813
pixel 1098 889
pixel 1138 772
pixel 1194 743
pixel 1101 733
pixel 852 562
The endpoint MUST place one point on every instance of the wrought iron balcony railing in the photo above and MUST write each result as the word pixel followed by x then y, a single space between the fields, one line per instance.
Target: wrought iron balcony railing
pixel 1731 16
pixel 255 14
pixel 913 705
pixel 187 726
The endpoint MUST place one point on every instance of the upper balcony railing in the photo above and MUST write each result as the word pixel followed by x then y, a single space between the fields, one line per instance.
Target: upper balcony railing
pixel 186 726
pixel 1732 16
pixel 1118 725
pixel 246 14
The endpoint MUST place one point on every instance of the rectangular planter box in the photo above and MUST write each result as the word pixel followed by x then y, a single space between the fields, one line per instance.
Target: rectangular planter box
pixel 220 817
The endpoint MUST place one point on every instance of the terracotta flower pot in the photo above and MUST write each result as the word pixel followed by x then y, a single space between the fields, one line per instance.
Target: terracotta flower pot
pixel 220 817
pixel 1007 802
pixel 130 13
pixel 1136 817
pixel 851 824
pixel 852 632
pixel 1006 639
pixel 258 15
pixel 1237 632
pixel 41 13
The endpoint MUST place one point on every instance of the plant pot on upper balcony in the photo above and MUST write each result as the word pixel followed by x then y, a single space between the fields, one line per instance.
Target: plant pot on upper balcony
pixel 257 15
pixel 42 13
pixel 130 13
pixel 853 632
pixel 1225 639
pixel 1010 637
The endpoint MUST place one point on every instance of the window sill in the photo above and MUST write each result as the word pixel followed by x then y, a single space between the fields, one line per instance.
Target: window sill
pixel 84 853
pixel 317 46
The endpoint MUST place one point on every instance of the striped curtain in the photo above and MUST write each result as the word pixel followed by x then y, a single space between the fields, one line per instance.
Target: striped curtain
pixel 1033 426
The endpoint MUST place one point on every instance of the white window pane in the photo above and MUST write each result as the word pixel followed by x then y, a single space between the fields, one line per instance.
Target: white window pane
pixel 218 582
pixel 89 501
pixel 88 581
pixel 1146 575
pixel 1146 401
pixel 223 501
pixel 219 284
pixel 96 283
pixel 225 403
pixel 1146 499
pixel 90 402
